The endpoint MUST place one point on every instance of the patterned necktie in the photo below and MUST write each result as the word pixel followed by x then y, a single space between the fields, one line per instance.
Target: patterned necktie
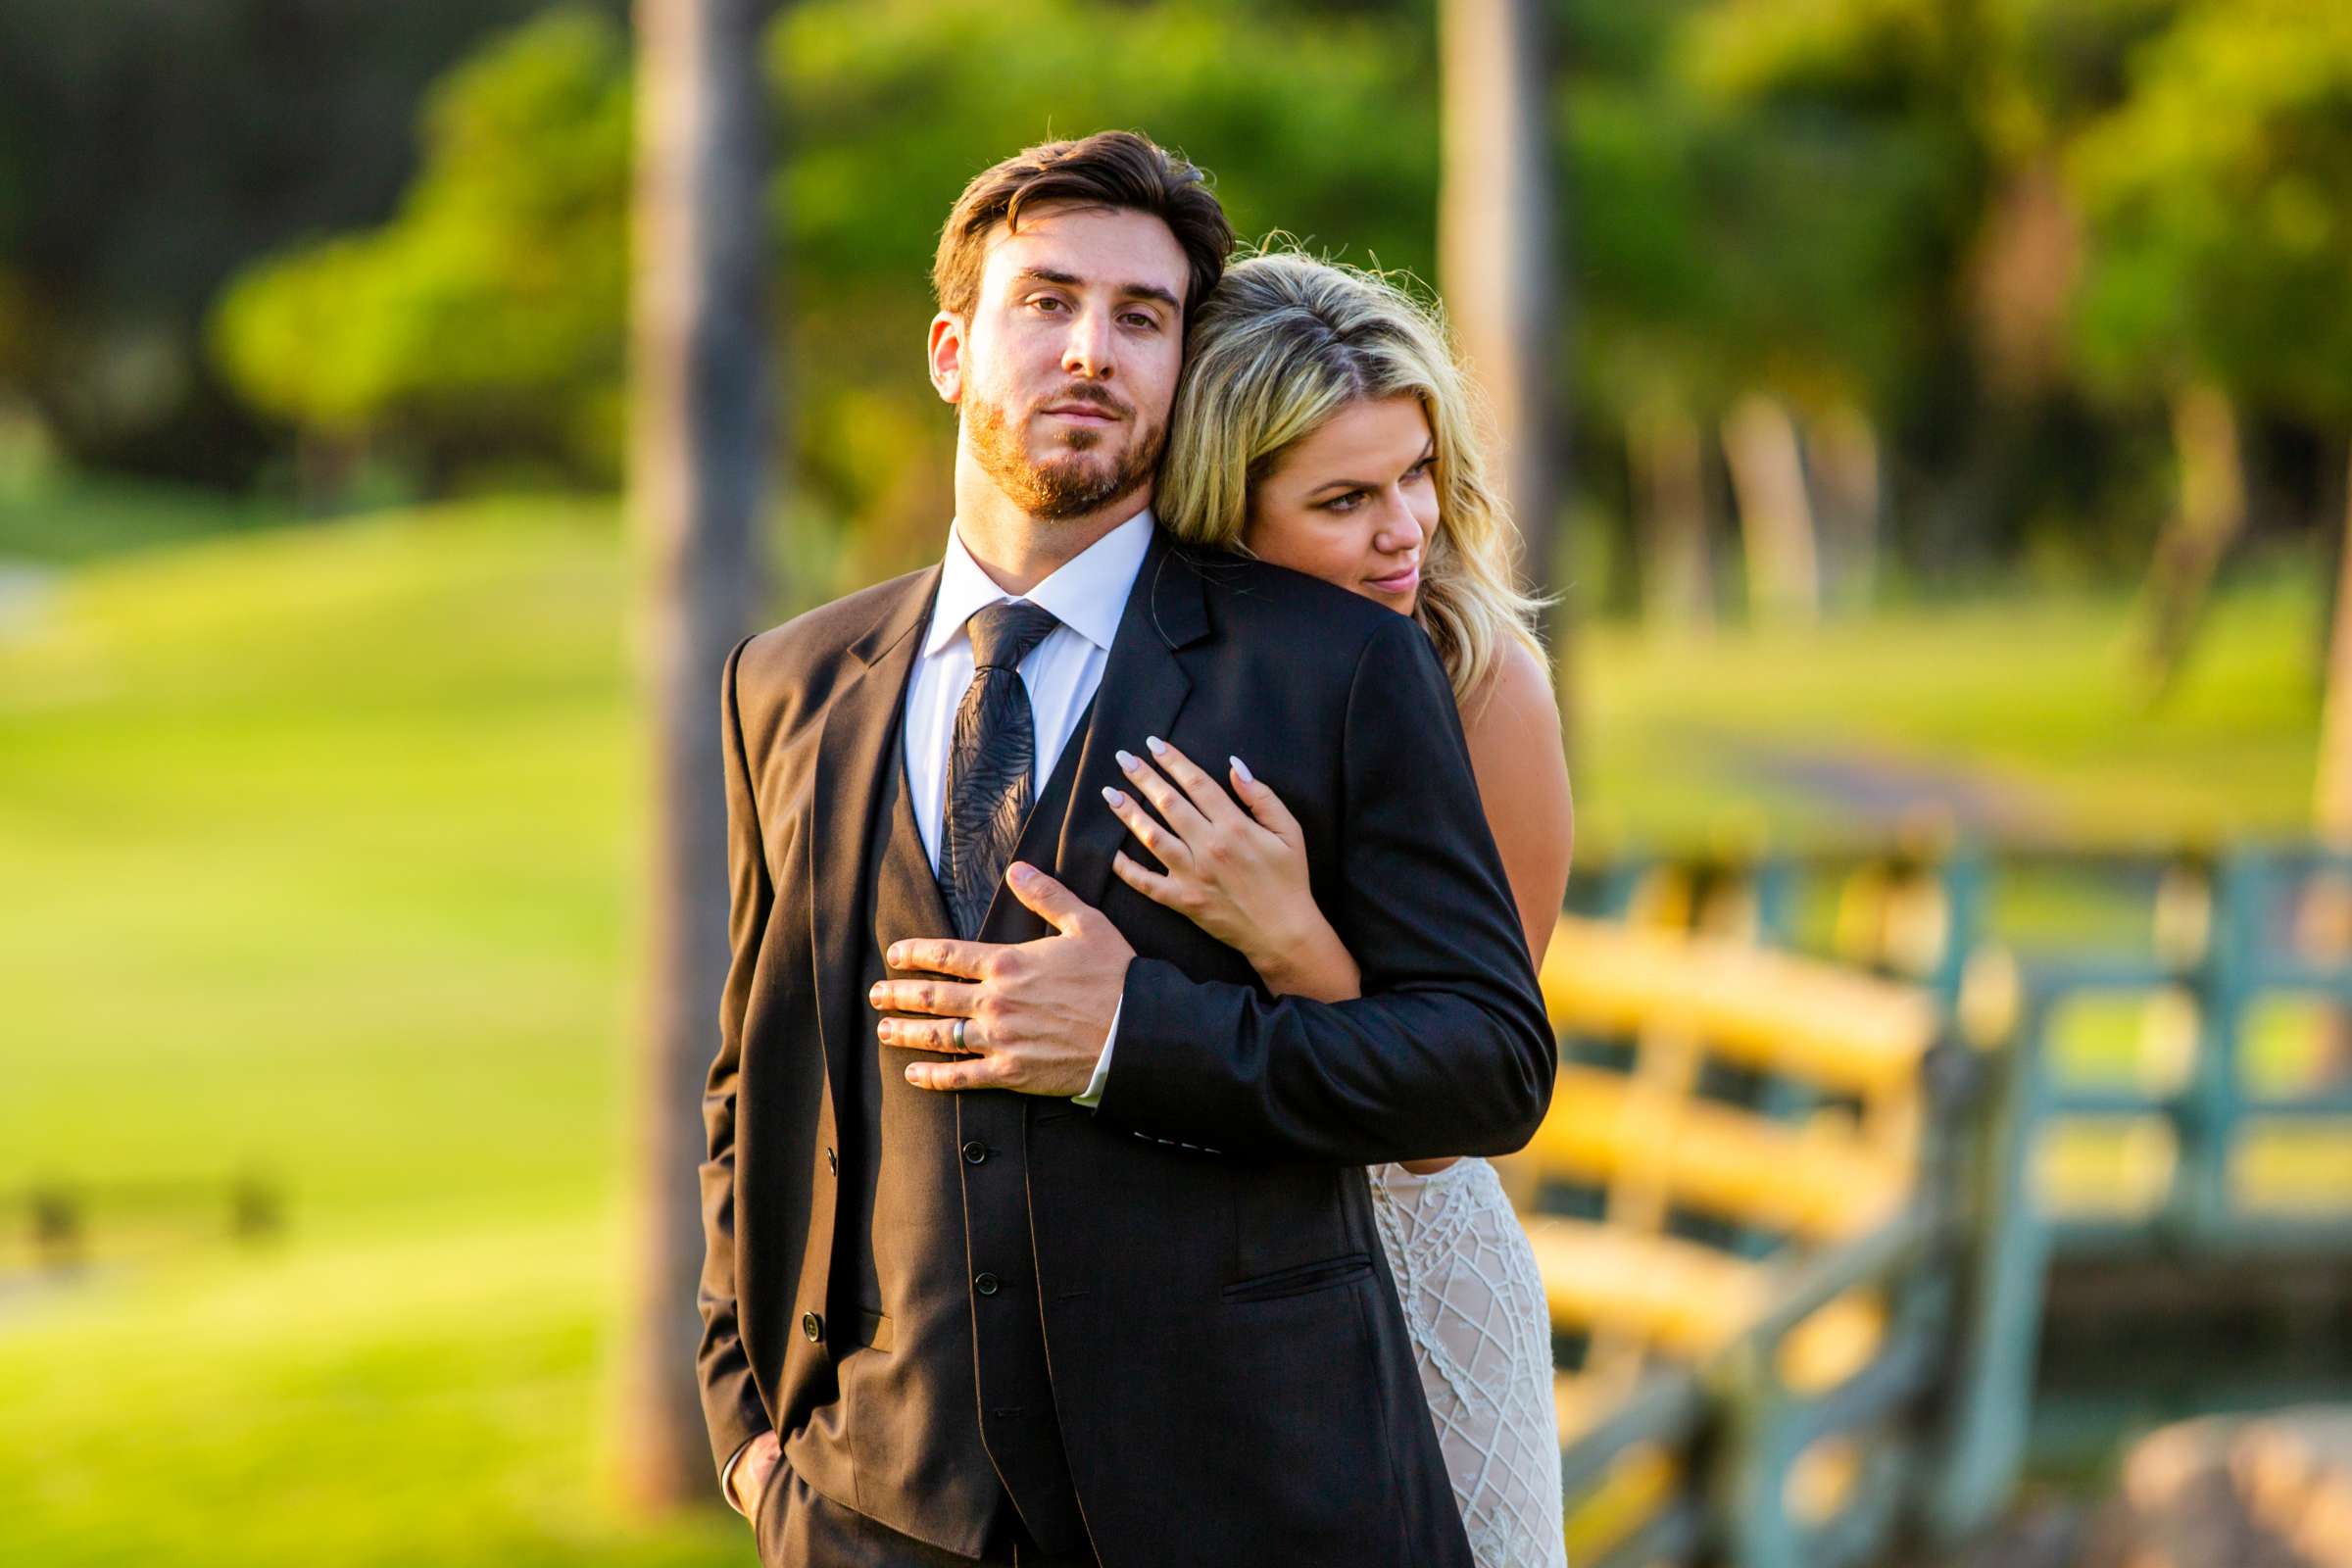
pixel 989 760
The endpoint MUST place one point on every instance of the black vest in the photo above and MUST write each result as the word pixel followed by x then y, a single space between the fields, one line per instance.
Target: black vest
pixel 935 1276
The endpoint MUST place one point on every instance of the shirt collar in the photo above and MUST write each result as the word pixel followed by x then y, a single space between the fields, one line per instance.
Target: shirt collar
pixel 1088 593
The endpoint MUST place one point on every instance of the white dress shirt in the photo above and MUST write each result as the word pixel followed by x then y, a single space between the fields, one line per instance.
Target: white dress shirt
pixel 1087 594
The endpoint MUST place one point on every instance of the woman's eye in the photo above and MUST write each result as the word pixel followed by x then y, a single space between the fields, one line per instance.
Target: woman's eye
pixel 1420 471
pixel 1346 503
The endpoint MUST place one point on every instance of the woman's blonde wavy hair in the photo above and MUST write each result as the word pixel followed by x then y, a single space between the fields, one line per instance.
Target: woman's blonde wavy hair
pixel 1283 342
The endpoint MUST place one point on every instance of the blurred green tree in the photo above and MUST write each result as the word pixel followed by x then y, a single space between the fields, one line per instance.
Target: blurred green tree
pixel 1837 231
pixel 483 323
pixel 2221 266
pixel 1772 203
pixel 2219 253
pixel 148 150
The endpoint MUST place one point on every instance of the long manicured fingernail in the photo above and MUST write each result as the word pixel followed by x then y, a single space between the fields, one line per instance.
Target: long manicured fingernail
pixel 1127 760
pixel 1241 770
pixel 1159 747
pixel 1114 797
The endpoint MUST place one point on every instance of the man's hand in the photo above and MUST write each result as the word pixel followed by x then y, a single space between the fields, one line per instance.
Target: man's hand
pixel 1035 1013
pixel 753 1472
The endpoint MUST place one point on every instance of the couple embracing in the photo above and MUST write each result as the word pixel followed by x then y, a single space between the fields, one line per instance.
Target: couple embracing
pixel 1133 922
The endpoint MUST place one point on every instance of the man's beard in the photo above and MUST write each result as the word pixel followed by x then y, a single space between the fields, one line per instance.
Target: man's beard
pixel 1065 485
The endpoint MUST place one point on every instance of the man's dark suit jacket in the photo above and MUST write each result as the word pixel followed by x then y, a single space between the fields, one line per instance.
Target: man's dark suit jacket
pixel 1229 1359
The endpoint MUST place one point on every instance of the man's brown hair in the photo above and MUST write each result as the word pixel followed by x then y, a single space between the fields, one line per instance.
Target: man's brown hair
pixel 1115 168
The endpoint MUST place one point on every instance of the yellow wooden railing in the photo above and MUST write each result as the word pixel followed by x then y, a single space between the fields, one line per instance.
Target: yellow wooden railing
pixel 1641 1297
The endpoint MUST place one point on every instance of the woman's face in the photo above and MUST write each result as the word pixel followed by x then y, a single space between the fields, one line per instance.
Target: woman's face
pixel 1355 503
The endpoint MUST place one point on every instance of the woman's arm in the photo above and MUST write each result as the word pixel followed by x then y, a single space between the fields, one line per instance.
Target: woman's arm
pixel 1240 874
pixel 1513 731
pixel 1448 1050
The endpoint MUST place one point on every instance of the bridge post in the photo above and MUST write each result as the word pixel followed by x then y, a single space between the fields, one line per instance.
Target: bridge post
pixel 1983 1445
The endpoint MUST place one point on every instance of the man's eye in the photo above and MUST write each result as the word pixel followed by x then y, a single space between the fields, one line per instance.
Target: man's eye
pixel 1149 323
pixel 1046 302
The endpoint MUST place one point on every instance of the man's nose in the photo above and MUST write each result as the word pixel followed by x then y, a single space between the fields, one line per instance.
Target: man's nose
pixel 1086 352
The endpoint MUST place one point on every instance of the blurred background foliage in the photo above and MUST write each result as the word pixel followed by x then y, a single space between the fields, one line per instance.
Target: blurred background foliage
pixel 482 325
pixel 1968 254
pixel 149 150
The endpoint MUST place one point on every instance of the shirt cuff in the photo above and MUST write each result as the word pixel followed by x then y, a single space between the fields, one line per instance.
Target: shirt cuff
pixel 726 1477
pixel 1094 1086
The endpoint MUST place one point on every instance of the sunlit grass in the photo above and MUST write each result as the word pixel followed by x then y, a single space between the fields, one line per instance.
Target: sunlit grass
pixel 434 1397
pixel 2034 705
pixel 320 845
pixel 329 840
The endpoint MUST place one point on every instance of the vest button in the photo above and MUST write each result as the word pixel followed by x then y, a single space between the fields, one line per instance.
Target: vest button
pixel 974 1153
pixel 832 1163
pixel 812 1326
pixel 986 1284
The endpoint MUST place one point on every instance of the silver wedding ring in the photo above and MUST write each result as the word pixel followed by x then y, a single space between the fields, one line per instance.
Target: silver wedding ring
pixel 959 1034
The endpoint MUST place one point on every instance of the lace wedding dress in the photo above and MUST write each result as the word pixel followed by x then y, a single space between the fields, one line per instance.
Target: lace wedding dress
pixel 1482 1337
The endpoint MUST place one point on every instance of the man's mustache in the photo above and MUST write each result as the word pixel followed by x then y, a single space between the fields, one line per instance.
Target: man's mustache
pixel 1084 392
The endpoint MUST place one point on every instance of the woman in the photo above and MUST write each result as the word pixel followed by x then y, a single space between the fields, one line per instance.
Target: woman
pixel 1323 424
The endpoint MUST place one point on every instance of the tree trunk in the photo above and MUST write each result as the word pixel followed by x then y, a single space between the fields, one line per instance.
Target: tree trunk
pixel 1846 464
pixel 2211 515
pixel 2324 917
pixel 2332 800
pixel 1498 262
pixel 1775 515
pixel 324 466
pixel 699 424
pixel 1678 570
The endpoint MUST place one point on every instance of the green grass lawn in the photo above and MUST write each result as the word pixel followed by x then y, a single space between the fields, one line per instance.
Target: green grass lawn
pixel 2034 705
pixel 321 844
pixel 67 519
pixel 319 847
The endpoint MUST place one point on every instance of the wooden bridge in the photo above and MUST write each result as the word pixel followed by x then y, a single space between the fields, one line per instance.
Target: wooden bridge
pixel 1838 1241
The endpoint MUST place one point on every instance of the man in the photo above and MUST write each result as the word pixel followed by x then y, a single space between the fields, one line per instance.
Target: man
pixel 1063 1254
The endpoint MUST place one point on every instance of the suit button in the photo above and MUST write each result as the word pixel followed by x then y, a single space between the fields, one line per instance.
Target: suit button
pixel 832 1163
pixel 812 1326
pixel 974 1152
pixel 986 1284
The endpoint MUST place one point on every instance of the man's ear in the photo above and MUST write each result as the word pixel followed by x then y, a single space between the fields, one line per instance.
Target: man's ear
pixel 947 356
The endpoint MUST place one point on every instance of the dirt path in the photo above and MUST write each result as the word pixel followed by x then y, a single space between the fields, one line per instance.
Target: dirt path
pixel 1881 792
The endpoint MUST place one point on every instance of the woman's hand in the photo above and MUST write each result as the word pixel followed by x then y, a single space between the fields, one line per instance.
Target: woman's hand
pixel 1236 871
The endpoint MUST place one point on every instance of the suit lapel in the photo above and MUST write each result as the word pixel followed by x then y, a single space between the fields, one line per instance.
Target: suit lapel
pixel 1144 685
pixel 852 751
